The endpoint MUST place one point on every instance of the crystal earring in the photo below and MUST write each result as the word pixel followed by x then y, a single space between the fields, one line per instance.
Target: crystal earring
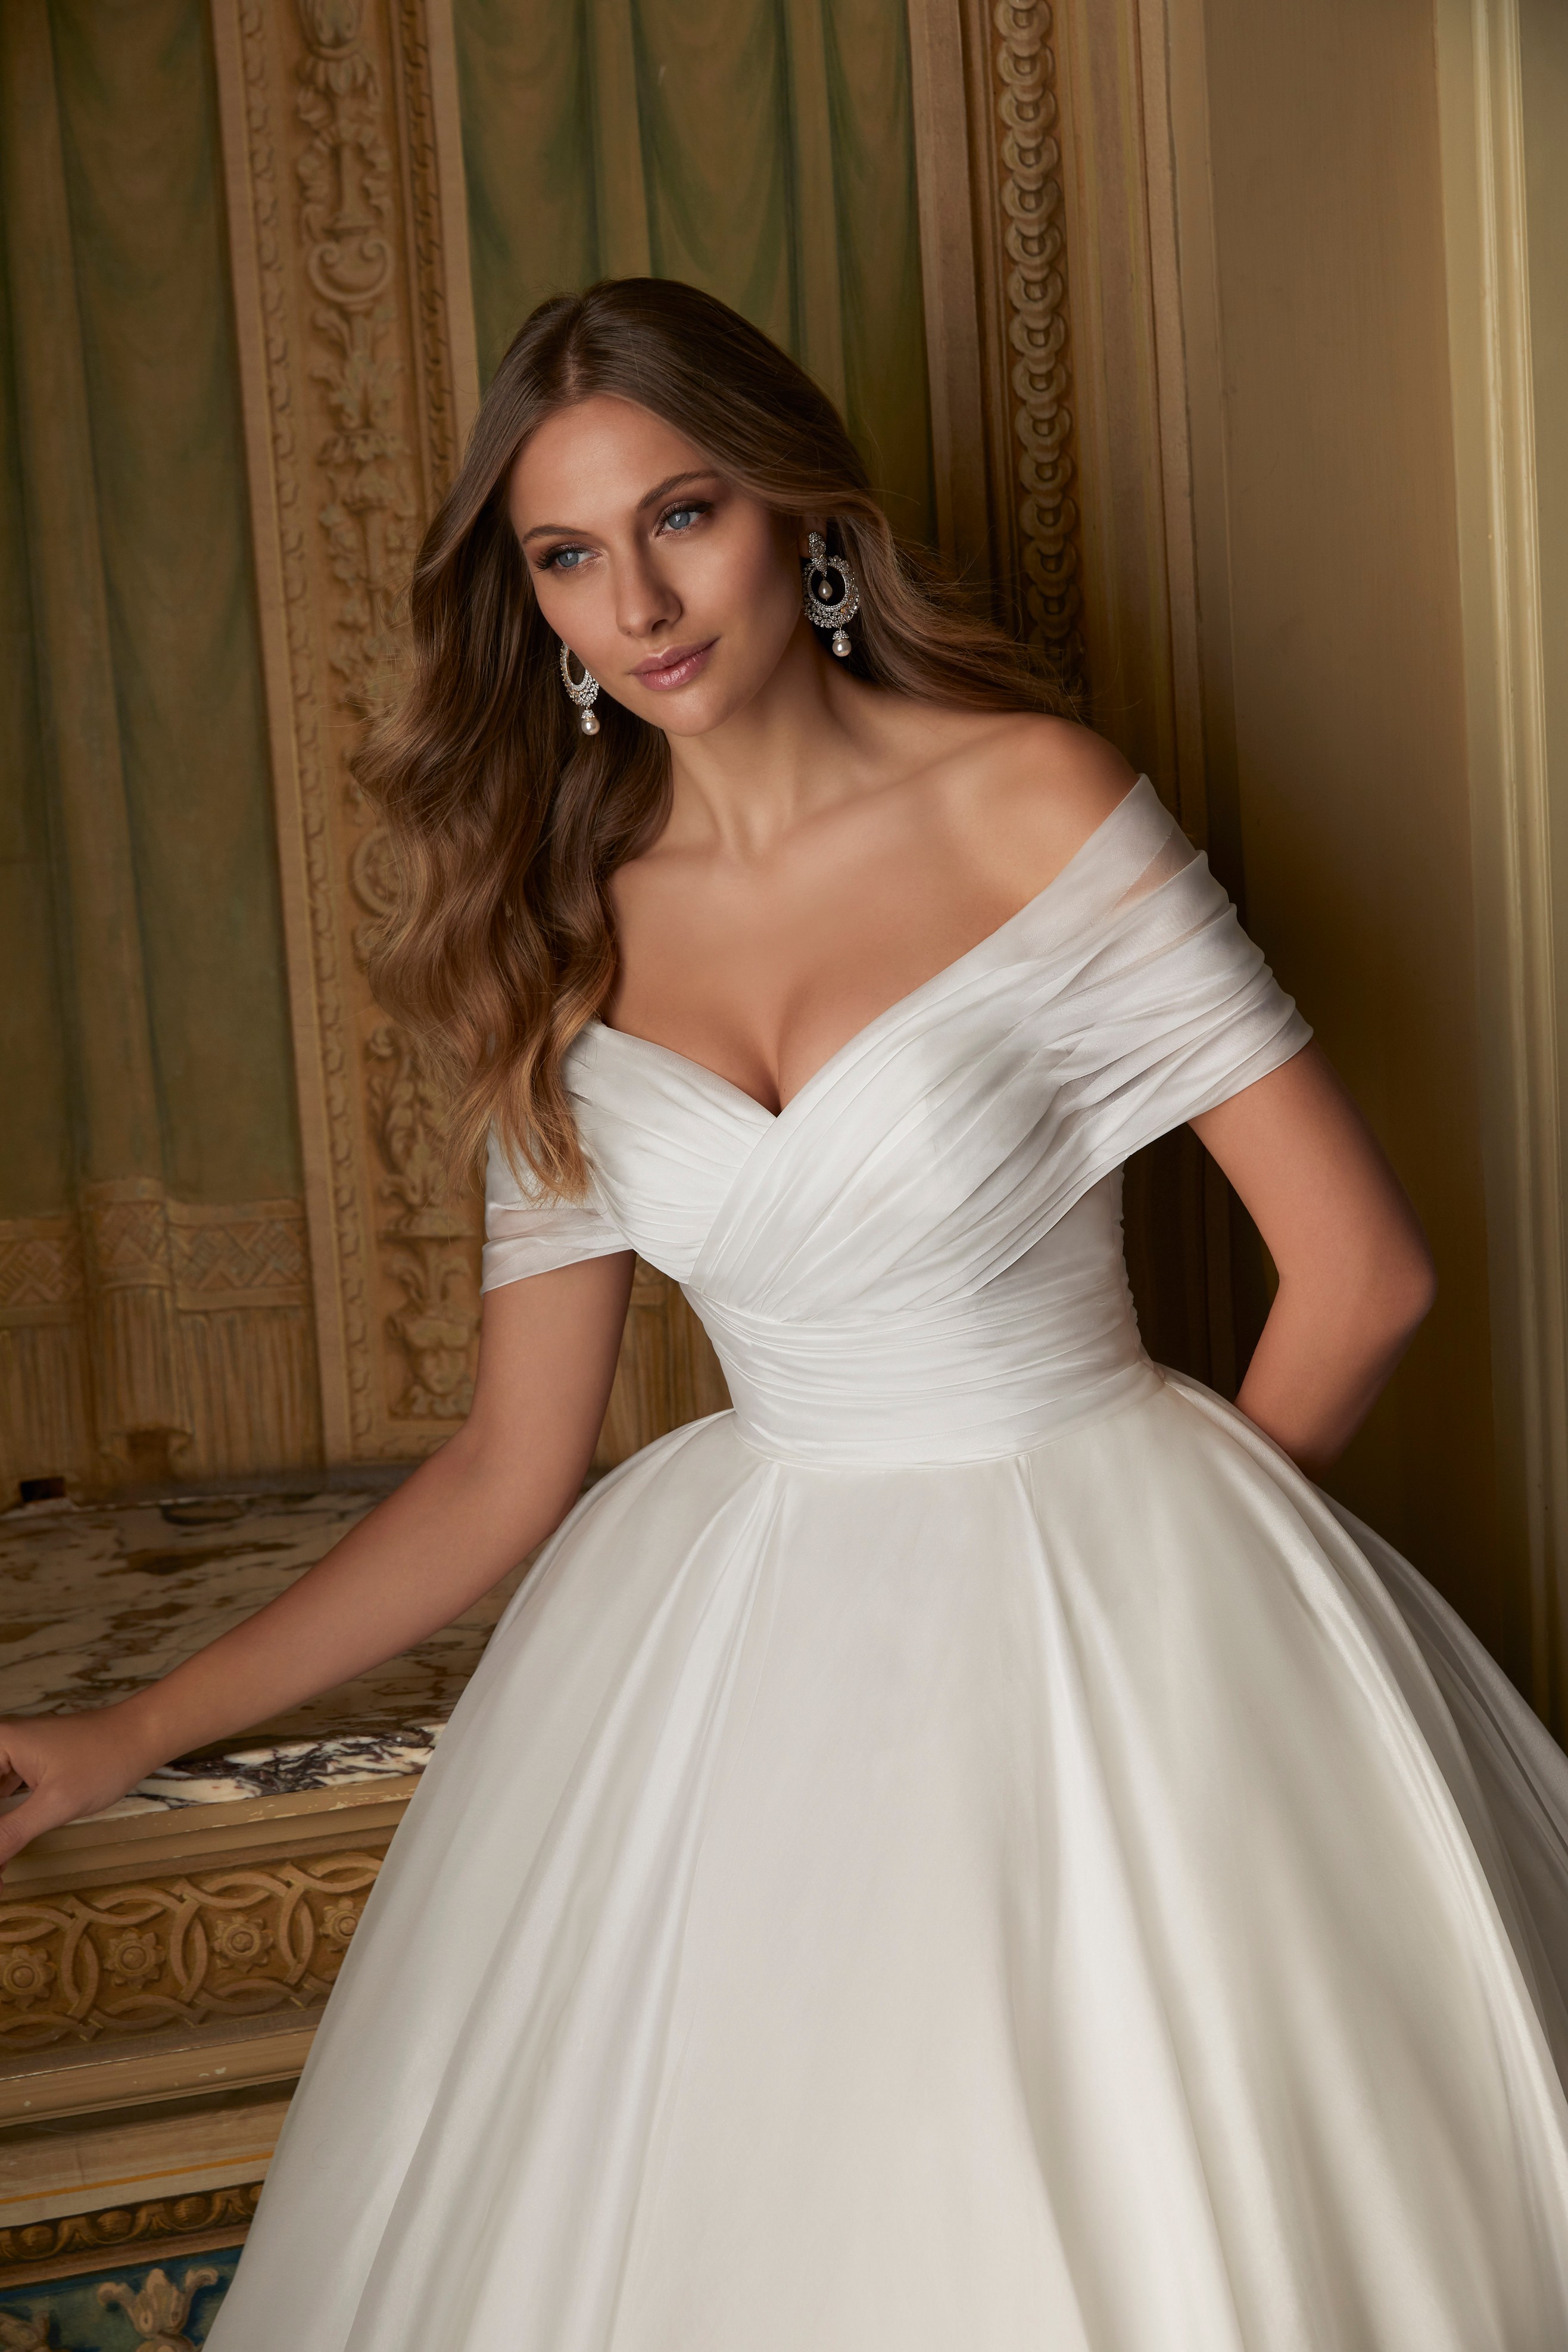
pixel 821 571
pixel 584 691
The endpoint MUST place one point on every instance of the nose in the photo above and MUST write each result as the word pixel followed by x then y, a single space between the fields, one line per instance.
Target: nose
pixel 645 601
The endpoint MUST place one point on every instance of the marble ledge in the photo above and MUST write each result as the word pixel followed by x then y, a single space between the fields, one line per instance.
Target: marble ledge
pixel 280 1768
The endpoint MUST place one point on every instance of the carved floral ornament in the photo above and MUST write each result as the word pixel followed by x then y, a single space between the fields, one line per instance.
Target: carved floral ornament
pixel 82 1968
pixel 157 2309
pixel 363 360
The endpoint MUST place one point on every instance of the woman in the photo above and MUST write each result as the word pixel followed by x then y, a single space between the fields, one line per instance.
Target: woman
pixel 971 1849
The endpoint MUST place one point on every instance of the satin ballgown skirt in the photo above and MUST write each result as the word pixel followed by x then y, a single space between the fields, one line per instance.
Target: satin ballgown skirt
pixel 970 1850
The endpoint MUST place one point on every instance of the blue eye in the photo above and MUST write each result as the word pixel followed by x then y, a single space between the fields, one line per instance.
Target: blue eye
pixel 683 518
pixel 564 559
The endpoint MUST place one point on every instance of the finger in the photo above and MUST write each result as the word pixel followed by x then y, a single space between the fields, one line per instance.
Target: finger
pixel 30 1821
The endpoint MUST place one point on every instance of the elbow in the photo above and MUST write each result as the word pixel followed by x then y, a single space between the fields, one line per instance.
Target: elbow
pixel 1407 1286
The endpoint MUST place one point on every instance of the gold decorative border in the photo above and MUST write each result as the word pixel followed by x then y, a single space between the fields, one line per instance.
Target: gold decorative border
pixel 1023 96
pixel 357 395
pixel 197 2222
pixel 163 1955
pixel 272 237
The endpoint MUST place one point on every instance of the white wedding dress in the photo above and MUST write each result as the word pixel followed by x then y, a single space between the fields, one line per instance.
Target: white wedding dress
pixel 969 1851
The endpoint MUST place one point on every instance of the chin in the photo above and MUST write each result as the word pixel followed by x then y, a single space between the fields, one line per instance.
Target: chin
pixel 696 718
pixel 696 710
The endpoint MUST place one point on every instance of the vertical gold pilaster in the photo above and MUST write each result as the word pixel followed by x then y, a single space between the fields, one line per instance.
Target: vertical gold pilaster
pixel 993 260
pixel 345 216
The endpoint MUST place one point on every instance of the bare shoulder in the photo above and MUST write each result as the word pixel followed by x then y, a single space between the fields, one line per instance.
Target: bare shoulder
pixel 1021 794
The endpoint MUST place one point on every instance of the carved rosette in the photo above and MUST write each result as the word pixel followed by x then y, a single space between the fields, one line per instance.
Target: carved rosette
pixel 1029 167
pixel 354 400
pixel 167 1954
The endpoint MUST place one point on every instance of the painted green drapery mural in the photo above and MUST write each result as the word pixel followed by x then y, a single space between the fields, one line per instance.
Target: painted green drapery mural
pixel 152 1299
pixel 760 149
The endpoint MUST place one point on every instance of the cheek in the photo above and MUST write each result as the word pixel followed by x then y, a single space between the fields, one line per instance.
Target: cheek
pixel 581 611
pixel 750 587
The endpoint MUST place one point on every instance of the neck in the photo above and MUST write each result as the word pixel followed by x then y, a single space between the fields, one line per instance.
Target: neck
pixel 792 751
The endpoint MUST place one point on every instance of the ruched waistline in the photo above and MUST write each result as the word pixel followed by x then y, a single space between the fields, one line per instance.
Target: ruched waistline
pixel 974 1380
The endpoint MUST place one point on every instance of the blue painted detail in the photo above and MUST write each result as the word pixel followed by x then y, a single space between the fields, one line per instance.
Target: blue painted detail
pixel 78 2322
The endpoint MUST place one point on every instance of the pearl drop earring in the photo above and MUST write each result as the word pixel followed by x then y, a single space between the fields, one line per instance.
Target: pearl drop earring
pixel 584 691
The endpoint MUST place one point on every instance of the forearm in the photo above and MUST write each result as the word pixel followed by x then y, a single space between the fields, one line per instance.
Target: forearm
pixel 449 1533
pixel 1355 1274
pixel 547 1351
pixel 1322 1360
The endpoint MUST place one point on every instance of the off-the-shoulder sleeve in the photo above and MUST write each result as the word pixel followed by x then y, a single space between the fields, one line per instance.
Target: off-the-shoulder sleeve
pixel 1175 1011
pixel 533 1231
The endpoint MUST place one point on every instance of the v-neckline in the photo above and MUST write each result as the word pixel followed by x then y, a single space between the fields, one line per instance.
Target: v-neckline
pixel 862 1035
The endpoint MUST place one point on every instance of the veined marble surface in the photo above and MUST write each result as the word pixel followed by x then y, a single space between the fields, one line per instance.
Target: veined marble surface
pixel 279 1767
pixel 97 1600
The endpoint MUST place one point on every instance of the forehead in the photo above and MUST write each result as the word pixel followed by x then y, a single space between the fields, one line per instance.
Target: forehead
pixel 601 455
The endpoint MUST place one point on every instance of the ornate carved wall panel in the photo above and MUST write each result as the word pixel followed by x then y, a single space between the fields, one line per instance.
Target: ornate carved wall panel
pixel 347 234
pixel 100 1964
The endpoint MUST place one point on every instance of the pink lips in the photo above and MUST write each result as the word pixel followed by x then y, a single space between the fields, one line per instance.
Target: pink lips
pixel 676 668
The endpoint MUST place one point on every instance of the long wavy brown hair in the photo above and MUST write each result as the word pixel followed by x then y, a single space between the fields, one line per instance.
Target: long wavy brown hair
pixel 506 820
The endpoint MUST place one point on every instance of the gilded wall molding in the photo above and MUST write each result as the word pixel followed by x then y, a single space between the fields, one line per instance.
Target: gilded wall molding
pixel 357 395
pixel 164 2225
pixel 993 256
pixel 1034 293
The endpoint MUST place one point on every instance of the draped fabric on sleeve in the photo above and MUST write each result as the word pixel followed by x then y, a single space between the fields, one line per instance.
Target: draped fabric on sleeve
pixel 1173 1011
pixel 530 1230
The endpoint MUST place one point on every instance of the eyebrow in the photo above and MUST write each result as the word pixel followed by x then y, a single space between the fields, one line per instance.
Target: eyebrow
pixel 649 498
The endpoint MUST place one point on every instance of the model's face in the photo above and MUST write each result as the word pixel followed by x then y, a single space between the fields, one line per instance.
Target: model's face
pixel 679 591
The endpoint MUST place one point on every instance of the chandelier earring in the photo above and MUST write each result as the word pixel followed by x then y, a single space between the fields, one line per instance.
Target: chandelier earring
pixel 831 592
pixel 583 690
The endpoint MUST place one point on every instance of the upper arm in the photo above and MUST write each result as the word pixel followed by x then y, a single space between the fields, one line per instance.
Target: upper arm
pixel 556 1279
pixel 1316 1183
pixel 548 1351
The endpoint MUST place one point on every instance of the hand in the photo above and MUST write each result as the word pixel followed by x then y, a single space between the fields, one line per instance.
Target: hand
pixel 71 1764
